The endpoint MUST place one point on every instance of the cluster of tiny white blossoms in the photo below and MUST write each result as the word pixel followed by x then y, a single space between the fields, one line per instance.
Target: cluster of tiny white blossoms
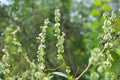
pixel 40 75
pixel 35 71
pixel 11 41
pixel 10 35
pixel 103 64
pixel 108 38
pixel 15 41
pixel 60 38
pixel 103 59
pixel 31 71
pixel 4 63
pixel 100 60
pixel 41 52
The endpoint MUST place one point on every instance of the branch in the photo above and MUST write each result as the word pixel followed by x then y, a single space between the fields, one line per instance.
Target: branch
pixel 89 64
pixel 86 69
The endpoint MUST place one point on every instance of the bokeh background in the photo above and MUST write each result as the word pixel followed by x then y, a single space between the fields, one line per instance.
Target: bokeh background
pixel 81 20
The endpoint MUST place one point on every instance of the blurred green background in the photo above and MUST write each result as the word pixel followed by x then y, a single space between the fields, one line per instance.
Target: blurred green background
pixel 81 20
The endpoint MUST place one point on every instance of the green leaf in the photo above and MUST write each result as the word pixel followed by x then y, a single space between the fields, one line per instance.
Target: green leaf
pixel 106 0
pixel 1 69
pixel 95 12
pixel 117 25
pixel 105 7
pixel 95 23
pixel 60 74
pixel 116 64
pixel 97 2
pixel 118 52
pixel 70 78
pixel 51 76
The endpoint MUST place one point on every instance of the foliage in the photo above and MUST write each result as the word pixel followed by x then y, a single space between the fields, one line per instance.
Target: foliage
pixel 74 31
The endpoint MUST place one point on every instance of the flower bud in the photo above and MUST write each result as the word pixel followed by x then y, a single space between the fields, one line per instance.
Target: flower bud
pixel 94 76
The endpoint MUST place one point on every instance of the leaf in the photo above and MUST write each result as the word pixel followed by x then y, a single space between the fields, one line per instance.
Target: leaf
pixel 60 74
pixel 51 76
pixel 117 25
pixel 1 69
pixel 105 7
pixel 70 78
pixel 116 64
pixel 95 23
pixel 106 0
pixel 97 2
pixel 95 12
pixel 118 51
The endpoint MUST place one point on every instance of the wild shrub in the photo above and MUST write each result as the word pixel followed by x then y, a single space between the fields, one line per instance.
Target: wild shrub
pixel 101 63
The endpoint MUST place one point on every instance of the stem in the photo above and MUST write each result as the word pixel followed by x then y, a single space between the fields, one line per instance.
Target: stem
pixel 84 71
pixel 102 51
pixel 54 68
pixel 76 71
pixel 89 64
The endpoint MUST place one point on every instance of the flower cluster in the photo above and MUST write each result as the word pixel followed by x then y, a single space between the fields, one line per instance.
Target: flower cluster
pixel 95 59
pixel 103 59
pixel 108 36
pixel 103 64
pixel 100 59
pixel 11 42
pixel 10 35
pixel 5 64
pixel 35 71
pixel 41 53
pixel 60 38
pixel 95 56
pixel 15 41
